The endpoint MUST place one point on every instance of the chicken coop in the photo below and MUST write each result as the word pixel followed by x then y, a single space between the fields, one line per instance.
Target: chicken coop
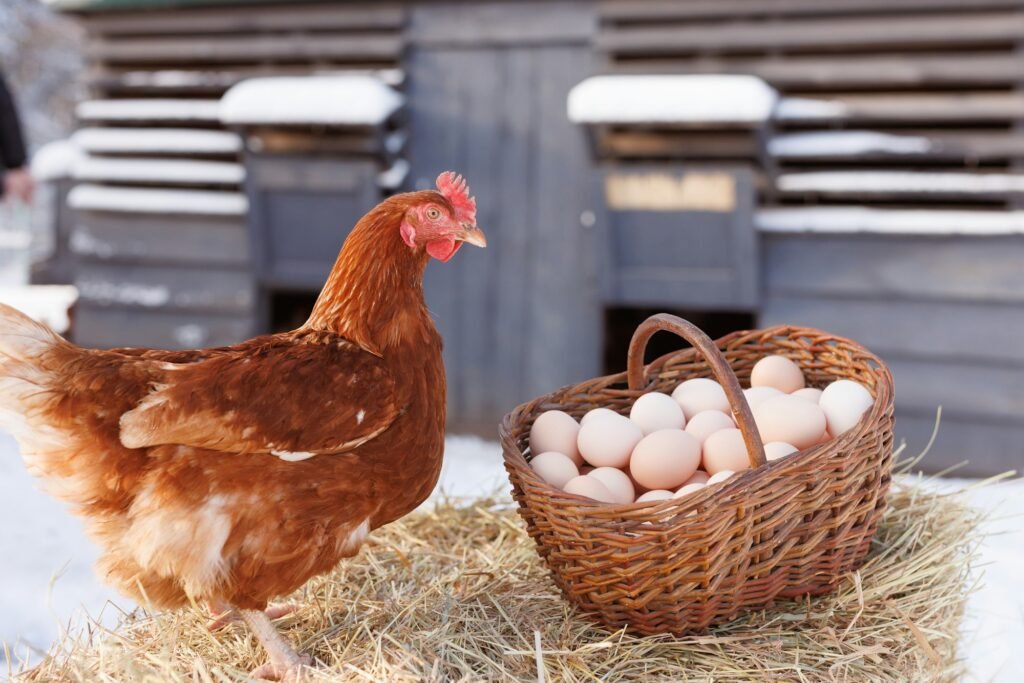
pixel 854 165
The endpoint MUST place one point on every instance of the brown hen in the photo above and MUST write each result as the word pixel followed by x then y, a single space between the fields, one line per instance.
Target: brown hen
pixel 234 475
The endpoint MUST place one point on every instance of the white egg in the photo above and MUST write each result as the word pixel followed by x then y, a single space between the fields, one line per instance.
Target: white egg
pixel 810 393
pixel 665 459
pixel 707 422
pixel 599 413
pixel 608 443
pixel 554 468
pixel 725 451
pixel 757 395
pixel 687 489
pixel 719 477
pixel 776 450
pixel 618 483
pixel 701 393
pixel 556 431
pixel 655 411
pixel 778 372
pixel 589 487
pixel 655 495
pixel 844 402
pixel 791 420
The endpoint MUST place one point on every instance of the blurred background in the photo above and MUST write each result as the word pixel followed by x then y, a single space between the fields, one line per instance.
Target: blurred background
pixel 852 165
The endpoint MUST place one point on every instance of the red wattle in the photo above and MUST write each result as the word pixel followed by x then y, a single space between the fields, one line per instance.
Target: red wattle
pixel 443 249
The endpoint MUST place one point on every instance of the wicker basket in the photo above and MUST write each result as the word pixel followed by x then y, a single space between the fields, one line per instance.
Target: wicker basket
pixel 787 528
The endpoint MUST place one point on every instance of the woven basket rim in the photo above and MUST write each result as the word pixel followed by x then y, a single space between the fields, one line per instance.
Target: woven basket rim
pixel 513 455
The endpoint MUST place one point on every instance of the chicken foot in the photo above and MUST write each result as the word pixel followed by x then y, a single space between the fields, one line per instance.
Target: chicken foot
pixel 285 665
pixel 223 615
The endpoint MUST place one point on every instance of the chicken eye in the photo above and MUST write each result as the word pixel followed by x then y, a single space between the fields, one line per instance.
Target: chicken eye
pixel 433 213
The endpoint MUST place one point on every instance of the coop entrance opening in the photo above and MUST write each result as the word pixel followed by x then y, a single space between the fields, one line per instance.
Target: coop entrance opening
pixel 289 310
pixel 621 322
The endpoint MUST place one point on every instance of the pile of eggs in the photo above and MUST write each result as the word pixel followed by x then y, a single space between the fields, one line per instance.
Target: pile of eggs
pixel 672 446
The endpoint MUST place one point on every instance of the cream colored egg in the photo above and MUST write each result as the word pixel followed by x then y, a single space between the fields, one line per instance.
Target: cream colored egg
pixel 778 372
pixel 725 450
pixel 695 395
pixel 687 489
pixel 707 422
pixel 589 487
pixel 617 482
pixel 665 459
pixel 655 495
pixel 777 450
pixel 791 420
pixel 655 411
pixel 608 443
pixel 757 395
pixel 699 477
pixel 810 393
pixel 598 413
pixel 556 431
pixel 554 468
pixel 844 402
pixel 719 477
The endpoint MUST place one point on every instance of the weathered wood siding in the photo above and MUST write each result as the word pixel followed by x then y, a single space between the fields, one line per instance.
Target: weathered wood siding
pixel 945 313
pixel 487 87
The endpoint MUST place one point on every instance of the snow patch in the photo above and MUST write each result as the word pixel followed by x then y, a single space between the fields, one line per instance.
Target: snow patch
pixel 205 111
pixel 857 219
pixel 48 304
pixel 168 171
pixel 393 178
pixel 891 182
pixel 340 100
pixel 135 200
pixel 843 143
pixel 156 141
pixel 802 109
pixel 726 99
pixel 128 294
pixel 55 160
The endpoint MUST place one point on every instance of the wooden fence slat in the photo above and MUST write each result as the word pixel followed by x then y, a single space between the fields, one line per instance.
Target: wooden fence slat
pixel 921 109
pixel 662 10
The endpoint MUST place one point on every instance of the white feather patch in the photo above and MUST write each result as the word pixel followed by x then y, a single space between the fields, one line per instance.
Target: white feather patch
pixel 290 456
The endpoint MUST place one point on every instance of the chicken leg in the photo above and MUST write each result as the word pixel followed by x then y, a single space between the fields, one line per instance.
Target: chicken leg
pixel 285 665
pixel 222 614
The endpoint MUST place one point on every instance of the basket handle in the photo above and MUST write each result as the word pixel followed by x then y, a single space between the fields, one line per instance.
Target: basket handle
pixel 719 366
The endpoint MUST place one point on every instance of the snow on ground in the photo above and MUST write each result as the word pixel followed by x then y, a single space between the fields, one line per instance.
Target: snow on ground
pixel 43 541
pixel 725 99
pixel 340 100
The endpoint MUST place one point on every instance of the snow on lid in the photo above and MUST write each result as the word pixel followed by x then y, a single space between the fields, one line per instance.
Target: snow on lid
pixel 157 141
pixel 393 178
pixel 149 110
pixel 172 171
pixel 900 182
pixel 135 200
pixel 55 160
pixel 48 304
pixel 857 219
pixel 671 99
pixel 339 100
pixel 803 109
pixel 846 143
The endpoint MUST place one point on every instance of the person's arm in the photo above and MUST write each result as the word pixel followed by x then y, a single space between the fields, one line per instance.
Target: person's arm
pixel 17 179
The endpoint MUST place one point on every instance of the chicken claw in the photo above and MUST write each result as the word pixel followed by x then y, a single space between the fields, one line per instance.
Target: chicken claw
pixel 285 665
pixel 223 615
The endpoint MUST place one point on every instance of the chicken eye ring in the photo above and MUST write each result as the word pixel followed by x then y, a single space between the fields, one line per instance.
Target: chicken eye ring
pixel 433 213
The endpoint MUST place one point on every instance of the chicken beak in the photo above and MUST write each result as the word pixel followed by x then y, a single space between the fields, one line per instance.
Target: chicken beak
pixel 473 235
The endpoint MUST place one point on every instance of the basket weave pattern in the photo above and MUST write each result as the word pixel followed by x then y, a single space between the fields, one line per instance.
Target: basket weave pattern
pixel 787 528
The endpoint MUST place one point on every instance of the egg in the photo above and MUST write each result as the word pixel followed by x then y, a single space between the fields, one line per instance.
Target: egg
pixel 665 459
pixel 844 402
pixel 598 413
pixel 791 420
pixel 655 495
pixel 776 450
pixel 617 482
pixel 687 489
pixel 757 395
pixel 655 411
pixel 725 450
pixel 778 372
pixel 719 477
pixel 695 395
pixel 556 431
pixel 699 477
pixel 554 468
pixel 589 487
pixel 810 393
pixel 607 442
pixel 707 422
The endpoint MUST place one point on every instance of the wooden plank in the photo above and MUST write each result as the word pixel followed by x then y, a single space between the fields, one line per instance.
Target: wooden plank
pixel 826 35
pixel 199 240
pixel 99 327
pixel 363 47
pixel 455 24
pixel 165 288
pixel 990 392
pixel 965 269
pixel 112 79
pixel 867 71
pixel 942 146
pixel 926 331
pixel 635 11
pixel 988 447
pixel 294 17
pixel 675 143
pixel 919 109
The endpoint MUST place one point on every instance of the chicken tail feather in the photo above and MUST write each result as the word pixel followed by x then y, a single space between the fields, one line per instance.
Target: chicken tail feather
pixel 22 338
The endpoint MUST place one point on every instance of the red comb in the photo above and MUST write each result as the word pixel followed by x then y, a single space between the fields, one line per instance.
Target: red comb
pixel 453 187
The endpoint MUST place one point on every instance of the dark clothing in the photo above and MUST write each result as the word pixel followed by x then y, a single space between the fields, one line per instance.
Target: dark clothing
pixel 12 145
